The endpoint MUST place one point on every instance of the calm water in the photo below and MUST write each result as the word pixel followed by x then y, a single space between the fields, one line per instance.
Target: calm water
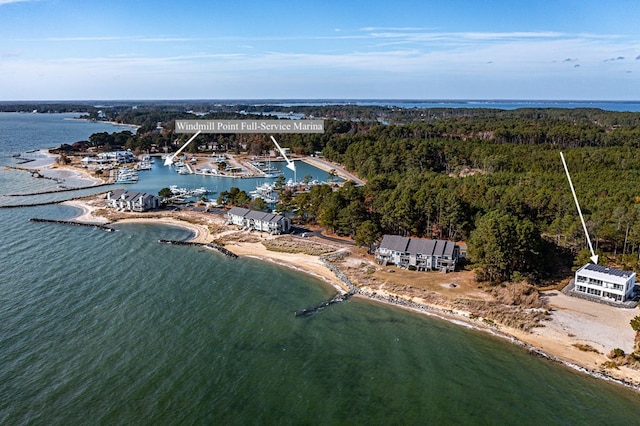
pixel 629 106
pixel 114 328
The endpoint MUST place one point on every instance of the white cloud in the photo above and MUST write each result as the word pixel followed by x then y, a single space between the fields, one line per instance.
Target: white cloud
pixel 117 38
pixel 370 29
pixel 427 36
pixel 391 62
pixel 3 2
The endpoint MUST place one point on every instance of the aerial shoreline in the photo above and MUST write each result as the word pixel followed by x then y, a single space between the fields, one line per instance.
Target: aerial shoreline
pixel 571 321
pixel 547 342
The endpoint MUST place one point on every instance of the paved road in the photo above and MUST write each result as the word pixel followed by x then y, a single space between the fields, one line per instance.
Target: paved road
pixel 299 230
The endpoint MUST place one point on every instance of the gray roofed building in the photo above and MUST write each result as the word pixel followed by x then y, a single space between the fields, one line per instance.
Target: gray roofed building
pixel 423 254
pixel 258 221
pixel 132 201
pixel 395 242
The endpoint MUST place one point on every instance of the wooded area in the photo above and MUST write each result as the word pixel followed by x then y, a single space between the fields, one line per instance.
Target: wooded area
pixel 492 178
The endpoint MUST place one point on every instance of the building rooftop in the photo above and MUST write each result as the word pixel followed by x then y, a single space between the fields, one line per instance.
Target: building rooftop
pixel 256 215
pixel 417 245
pixel 395 242
pixel 608 271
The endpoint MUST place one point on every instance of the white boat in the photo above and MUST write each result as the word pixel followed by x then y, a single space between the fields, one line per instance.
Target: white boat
pixel 126 180
pixel 126 175
pixel 144 165
pixel 184 193
pixel 207 172
pixel 267 192
pixel 273 175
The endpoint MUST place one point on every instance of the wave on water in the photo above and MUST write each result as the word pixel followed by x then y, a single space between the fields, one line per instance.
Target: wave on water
pixel 136 332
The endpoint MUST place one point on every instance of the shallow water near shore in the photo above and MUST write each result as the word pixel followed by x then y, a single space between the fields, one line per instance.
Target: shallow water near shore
pixel 114 328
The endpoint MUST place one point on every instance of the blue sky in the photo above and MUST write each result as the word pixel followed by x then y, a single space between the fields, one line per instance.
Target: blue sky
pixel 429 49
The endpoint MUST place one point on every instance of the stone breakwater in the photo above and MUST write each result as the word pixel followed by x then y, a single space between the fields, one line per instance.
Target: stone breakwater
pixel 341 297
pixel 101 226
pixel 55 191
pixel 213 246
pixel 328 262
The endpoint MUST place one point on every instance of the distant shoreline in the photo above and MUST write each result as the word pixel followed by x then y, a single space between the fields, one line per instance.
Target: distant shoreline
pixel 113 123
pixel 632 106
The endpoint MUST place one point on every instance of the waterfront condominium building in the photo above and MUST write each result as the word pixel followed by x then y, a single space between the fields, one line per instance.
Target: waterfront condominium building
pixel 423 254
pixel 258 220
pixel 605 283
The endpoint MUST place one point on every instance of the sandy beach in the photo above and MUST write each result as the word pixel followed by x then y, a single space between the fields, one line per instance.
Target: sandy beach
pixel 46 164
pixel 571 321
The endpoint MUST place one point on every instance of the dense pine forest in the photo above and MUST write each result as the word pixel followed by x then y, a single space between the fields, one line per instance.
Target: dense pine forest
pixel 492 178
pixel 496 180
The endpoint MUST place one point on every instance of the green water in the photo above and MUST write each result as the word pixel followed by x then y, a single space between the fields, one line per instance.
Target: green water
pixel 116 329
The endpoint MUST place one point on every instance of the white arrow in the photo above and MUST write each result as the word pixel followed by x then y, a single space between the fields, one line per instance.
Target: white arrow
pixel 290 164
pixel 594 256
pixel 169 160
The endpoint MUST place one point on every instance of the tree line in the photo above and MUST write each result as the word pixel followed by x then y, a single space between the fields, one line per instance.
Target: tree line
pixel 491 178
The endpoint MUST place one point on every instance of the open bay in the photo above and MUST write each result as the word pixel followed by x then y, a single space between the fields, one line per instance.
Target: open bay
pixel 114 328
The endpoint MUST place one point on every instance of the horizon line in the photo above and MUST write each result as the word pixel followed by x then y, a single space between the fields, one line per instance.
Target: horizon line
pixel 349 100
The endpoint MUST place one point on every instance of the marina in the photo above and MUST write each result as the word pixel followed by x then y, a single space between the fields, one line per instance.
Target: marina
pixel 265 168
pixel 126 175
pixel 266 191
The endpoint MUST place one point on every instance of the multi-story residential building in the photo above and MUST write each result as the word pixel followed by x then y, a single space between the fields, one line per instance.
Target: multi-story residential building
pixel 423 254
pixel 132 201
pixel 258 220
pixel 606 283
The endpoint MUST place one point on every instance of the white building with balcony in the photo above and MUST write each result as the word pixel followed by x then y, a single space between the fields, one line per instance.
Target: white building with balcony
pixel 609 284
pixel 259 221
pixel 423 254
pixel 132 201
pixel 120 157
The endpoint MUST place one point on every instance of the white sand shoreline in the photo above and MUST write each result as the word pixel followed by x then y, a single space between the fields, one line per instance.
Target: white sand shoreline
pixel 577 320
pixel 460 319
pixel 113 123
